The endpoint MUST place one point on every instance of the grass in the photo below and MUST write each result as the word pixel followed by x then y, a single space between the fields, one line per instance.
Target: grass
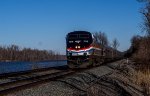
pixel 142 78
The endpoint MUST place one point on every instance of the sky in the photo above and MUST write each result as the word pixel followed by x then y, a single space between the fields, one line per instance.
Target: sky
pixel 43 24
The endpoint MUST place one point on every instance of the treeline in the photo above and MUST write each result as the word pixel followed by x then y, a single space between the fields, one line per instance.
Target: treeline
pixel 141 50
pixel 140 45
pixel 102 40
pixel 15 53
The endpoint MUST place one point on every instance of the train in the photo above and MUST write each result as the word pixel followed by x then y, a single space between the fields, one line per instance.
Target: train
pixel 82 50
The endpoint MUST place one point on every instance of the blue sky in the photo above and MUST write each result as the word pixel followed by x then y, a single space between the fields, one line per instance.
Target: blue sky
pixel 43 24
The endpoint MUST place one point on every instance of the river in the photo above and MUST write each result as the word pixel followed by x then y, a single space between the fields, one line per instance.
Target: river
pixel 7 67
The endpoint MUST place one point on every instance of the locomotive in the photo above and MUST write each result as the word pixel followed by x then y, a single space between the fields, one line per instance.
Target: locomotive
pixel 83 51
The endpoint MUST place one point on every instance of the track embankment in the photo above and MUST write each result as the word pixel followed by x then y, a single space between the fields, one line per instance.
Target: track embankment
pixel 112 79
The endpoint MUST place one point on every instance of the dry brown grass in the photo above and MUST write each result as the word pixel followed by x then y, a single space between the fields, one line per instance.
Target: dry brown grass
pixel 142 78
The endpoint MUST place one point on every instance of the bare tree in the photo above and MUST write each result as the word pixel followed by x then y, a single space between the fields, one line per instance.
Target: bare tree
pixel 146 13
pixel 143 50
pixel 115 45
pixel 101 38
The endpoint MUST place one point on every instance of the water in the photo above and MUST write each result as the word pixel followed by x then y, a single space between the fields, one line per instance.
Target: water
pixel 6 67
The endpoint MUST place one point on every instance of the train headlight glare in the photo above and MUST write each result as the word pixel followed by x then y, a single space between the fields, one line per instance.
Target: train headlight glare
pixel 78 46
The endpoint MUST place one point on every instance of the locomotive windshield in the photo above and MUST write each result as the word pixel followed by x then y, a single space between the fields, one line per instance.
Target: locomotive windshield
pixel 82 39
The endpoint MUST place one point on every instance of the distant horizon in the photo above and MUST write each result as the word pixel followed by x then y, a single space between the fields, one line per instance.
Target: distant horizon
pixel 43 25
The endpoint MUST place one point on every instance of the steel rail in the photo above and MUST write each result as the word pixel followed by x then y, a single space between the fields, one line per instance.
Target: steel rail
pixel 14 86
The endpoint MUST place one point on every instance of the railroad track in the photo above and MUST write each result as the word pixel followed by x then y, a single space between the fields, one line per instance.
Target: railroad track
pixel 13 86
pixel 29 80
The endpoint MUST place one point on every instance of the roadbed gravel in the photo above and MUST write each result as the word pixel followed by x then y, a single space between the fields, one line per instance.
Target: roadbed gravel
pixel 112 79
